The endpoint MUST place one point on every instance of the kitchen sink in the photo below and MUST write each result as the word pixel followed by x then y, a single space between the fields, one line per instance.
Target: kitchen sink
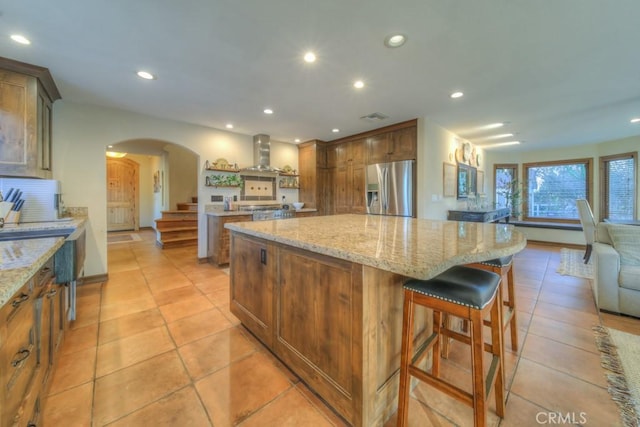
pixel 6 235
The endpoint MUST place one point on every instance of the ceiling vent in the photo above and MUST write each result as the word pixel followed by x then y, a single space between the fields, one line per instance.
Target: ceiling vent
pixel 374 117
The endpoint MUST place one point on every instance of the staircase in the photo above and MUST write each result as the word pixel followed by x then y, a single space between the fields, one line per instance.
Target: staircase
pixel 178 228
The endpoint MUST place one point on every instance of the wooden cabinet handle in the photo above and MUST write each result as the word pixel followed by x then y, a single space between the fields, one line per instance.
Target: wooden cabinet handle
pixel 22 298
pixel 52 293
pixel 21 356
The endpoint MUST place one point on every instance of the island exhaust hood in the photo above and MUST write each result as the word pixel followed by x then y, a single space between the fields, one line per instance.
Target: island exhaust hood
pixel 261 157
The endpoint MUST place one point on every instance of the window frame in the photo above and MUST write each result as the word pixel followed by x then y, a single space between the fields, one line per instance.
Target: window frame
pixel 603 212
pixel 588 162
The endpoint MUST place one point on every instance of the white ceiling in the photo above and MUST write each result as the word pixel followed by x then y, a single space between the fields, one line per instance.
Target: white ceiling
pixel 559 72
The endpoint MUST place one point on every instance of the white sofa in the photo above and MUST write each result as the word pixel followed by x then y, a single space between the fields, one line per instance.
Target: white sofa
pixel 616 260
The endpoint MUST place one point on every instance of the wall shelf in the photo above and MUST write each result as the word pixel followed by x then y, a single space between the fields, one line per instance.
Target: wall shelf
pixel 223 170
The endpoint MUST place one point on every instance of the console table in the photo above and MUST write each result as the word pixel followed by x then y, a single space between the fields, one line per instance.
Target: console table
pixel 494 215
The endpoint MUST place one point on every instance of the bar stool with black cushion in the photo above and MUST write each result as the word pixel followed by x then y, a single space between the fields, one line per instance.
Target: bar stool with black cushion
pixel 499 266
pixel 504 266
pixel 469 294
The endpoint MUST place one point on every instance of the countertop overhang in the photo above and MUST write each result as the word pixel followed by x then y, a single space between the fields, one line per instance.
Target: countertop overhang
pixel 418 248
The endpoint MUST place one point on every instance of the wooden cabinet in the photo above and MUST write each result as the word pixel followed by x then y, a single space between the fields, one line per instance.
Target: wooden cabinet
pixel 252 293
pixel 305 214
pixel 348 178
pixel 312 164
pixel 27 93
pixel 31 330
pixel 400 144
pixel 218 237
pixel 334 323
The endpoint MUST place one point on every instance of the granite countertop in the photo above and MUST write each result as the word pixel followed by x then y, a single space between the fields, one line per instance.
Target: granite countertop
pixel 417 248
pixel 21 259
pixel 238 213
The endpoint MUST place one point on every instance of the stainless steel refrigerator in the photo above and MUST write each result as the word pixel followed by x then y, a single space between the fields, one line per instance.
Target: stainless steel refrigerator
pixel 390 188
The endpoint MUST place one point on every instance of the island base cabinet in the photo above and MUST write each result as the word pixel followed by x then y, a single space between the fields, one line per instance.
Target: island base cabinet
pixel 253 272
pixel 336 324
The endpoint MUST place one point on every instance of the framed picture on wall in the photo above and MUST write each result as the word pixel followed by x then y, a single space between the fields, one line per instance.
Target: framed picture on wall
pixel 466 181
pixel 448 179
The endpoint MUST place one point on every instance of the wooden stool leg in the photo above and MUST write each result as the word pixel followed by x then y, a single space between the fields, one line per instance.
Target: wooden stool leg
pixel 438 318
pixel 405 359
pixel 477 369
pixel 446 341
pixel 497 349
pixel 511 304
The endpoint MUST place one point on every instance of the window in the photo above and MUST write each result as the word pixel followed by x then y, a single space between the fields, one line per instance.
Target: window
pixel 618 186
pixel 505 177
pixel 551 189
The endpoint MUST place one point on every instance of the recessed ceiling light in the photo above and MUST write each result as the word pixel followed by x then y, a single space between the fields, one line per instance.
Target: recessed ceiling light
pixel 500 144
pixel 395 40
pixel 335 130
pixel 455 95
pixel 635 120
pixel 296 140
pixel 358 84
pixel 494 126
pixel 268 111
pixel 145 75
pixel 229 126
pixel 20 39
pixel 310 57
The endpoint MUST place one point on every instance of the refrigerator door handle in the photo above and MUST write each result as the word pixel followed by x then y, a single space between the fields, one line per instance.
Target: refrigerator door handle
pixel 385 188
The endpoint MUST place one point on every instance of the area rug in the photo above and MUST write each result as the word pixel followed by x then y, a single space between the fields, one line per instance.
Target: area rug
pixel 123 238
pixel 620 353
pixel 572 264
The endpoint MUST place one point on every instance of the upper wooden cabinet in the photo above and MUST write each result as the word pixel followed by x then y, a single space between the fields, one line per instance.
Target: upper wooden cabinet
pixel 27 94
pixel 341 154
pixel 312 166
pixel 400 144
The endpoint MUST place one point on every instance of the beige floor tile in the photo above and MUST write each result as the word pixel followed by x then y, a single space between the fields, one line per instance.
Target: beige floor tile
pixel 520 413
pixel 212 284
pixel 123 308
pixel 220 297
pixel 70 408
pixel 234 393
pixel 177 294
pixel 119 354
pixel 571 360
pixel 73 369
pixel 215 352
pixel 289 409
pixel 181 408
pixel 564 314
pixel 421 415
pixel 132 388
pixel 80 339
pixel 559 392
pixel 563 332
pixel 315 400
pixel 131 324
pixel 184 308
pixel 88 289
pixel 198 326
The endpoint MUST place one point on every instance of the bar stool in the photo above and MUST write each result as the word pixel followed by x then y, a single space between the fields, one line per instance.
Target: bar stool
pixel 499 266
pixel 503 266
pixel 469 294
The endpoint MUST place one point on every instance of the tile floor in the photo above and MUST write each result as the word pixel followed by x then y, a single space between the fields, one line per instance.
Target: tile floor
pixel 156 345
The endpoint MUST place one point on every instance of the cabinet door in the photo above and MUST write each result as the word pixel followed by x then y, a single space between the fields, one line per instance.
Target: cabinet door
pixel 341 190
pixel 378 148
pixel 308 175
pixel 332 156
pixel 253 274
pixel 358 151
pixel 404 143
pixel 358 196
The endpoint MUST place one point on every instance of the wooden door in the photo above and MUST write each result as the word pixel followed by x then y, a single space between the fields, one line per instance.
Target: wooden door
pixel 358 195
pixel 122 194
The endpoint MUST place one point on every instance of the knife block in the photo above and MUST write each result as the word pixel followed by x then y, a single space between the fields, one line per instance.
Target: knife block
pixel 10 217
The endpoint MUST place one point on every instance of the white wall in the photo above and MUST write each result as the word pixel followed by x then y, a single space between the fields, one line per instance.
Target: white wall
pixel 183 175
pixel 437 145
pixel 81 134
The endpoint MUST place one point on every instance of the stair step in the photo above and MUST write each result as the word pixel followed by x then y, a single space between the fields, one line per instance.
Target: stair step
pixel 177 242
pixel 163 224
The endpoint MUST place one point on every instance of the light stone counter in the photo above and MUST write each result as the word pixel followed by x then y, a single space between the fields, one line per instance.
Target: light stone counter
pixel 417 248
pixel 220 212
pixel 21 259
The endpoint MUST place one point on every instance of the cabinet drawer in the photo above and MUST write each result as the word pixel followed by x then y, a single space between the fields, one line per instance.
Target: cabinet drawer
pixel 17 360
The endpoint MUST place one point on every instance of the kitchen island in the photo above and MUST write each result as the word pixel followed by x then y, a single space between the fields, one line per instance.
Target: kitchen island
pixel 324 294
